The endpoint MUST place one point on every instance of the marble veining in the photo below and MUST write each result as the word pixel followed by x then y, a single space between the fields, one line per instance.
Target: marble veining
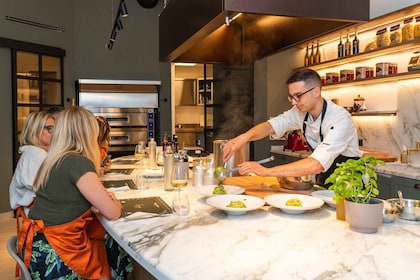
pixel 264 244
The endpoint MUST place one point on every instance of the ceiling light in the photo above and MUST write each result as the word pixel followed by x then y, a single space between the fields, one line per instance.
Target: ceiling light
pixel 123 9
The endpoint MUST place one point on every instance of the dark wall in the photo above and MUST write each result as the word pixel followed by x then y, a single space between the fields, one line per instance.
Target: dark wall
pixel 87 26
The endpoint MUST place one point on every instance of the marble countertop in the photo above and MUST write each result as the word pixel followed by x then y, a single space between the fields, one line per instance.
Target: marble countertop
pixel 264 244
pixel 391 168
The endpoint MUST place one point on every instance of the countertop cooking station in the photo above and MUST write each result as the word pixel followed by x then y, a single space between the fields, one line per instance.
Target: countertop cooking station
pixel 261 244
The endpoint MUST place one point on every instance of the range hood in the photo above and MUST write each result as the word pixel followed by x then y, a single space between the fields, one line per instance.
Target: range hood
pixel 206 31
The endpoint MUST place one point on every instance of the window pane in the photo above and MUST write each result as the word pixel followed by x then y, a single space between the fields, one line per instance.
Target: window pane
pixel 27 91
pixel 22 114
pixel 51 67
pixel 51 93
pixel 27 64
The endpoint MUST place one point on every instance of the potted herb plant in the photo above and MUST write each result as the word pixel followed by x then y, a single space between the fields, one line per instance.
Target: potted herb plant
pixel 355 181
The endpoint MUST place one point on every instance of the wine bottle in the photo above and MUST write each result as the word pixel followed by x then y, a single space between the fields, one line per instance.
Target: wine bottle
pixel 340 49
pixel 311 57
pixel 306 61
pixel 355 44
pixel 347 47
pixel 317 58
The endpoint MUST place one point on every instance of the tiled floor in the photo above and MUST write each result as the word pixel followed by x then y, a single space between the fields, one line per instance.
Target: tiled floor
pixel 7 229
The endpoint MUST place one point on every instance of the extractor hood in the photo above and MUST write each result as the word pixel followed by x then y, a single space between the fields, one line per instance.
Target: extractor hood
pixel 208 31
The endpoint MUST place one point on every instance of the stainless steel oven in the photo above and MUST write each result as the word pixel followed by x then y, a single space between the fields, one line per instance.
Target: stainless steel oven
pixel 131 109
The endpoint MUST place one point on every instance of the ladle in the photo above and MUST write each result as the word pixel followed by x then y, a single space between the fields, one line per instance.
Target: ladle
pixel 400 196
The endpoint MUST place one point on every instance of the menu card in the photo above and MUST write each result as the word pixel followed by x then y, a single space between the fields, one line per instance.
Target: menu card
pixel 119 183
pixel 153 204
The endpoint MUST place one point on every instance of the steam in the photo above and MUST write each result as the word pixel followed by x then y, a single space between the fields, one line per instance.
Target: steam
pixel 238 106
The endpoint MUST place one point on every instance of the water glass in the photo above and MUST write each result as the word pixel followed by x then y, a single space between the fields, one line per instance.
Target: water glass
pixel 181 204
pixel 142 181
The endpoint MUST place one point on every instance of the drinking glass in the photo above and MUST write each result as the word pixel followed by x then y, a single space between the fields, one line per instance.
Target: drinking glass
pixel 179 178
pixel 140 152
pixel 142 181
pixel 180 204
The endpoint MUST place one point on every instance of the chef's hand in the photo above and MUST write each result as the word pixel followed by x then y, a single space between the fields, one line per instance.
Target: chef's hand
pixel 252 167
pixel 232 146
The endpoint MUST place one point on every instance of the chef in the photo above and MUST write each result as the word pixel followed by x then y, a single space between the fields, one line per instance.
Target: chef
pixel 327 127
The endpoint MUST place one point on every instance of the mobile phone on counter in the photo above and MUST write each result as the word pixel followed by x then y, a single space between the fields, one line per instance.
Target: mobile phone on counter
pixel 105 161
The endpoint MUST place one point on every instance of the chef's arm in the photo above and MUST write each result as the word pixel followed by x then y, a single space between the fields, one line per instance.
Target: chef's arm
pixel 301 167
pixel 257 132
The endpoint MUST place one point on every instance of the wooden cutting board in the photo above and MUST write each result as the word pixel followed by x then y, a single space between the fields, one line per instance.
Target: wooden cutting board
pixel 378 154
pixel 262 186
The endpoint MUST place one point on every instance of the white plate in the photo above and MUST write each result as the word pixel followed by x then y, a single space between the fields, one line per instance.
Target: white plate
pixel 208 190
pixel 153 173
pixel 220 202
pixel 308 202
pixel 326 196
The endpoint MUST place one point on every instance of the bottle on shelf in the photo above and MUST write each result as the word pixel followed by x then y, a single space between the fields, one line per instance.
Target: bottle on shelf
pixel 355 44
pixel 340 48
pixel 317 57
pixel 311 56
pixel 347 47
pixel 306 60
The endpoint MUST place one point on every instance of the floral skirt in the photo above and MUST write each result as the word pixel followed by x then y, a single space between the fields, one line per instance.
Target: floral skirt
pixel 46 264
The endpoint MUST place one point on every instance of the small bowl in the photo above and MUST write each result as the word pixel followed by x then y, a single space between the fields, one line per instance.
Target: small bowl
pixel 409 209
pixel 388 215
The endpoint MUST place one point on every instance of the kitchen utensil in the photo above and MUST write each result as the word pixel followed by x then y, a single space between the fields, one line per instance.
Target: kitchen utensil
pixel 239 157
pixel 409 209
pixel 262 161
pixel 400 196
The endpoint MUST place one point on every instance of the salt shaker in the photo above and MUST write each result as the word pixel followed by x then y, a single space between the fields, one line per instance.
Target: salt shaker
pixel 209 177
pixel 198 176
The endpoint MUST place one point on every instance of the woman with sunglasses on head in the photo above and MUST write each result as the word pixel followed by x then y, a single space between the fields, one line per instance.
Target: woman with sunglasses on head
pixel 328 129
pixel 34 142
pixel 62 236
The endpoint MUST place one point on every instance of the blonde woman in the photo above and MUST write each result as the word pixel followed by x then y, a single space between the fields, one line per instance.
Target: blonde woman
pixel 63 236
pixel 34 141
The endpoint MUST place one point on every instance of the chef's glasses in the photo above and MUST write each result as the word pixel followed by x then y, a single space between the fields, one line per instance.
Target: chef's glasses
pixel 296 97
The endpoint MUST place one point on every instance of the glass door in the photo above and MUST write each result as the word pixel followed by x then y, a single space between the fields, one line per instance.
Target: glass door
pixel 38 85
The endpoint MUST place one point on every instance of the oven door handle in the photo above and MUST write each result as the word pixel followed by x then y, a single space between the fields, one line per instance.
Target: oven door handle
pixel 118 119
pixel 120 137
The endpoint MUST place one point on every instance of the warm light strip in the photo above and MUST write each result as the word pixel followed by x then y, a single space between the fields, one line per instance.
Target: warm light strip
pixel 185 64
pixel 35 24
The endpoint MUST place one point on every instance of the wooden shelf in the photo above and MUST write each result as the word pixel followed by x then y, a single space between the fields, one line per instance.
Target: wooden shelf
pixel 376 80
pixel 376 113
pixel 406 46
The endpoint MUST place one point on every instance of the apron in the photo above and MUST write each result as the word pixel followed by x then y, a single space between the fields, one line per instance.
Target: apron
pixel 321 177
pixel 79 243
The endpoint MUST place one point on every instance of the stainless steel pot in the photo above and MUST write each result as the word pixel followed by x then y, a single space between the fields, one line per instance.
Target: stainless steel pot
pixel 237 158
pixel 409 208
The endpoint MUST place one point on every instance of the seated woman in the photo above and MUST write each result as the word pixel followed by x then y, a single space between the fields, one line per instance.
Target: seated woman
pixel 63 238
pixel 103 140
pixel 34 141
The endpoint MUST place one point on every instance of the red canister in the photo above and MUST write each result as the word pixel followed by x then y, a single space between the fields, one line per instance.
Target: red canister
pixel 393 69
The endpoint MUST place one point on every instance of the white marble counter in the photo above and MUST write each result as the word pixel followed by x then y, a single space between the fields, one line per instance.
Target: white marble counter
pixel 264 244
pixel 392 168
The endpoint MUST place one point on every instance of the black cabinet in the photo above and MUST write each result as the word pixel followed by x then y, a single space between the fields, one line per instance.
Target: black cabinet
pixel 384 185
pixel 410 188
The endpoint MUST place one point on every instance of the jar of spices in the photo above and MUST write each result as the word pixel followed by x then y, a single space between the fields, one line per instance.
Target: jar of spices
pixel 359 104
pixel 417 28
pixel 407 31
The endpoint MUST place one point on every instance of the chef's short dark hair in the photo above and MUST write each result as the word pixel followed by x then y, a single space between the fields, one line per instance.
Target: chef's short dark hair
pixel 305 75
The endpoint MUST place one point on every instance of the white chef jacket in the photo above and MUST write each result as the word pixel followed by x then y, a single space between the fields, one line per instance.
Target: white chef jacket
pixel 21 187
pixel 338 130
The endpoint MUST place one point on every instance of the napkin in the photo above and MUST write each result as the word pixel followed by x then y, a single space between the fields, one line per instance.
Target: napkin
pixel 118 189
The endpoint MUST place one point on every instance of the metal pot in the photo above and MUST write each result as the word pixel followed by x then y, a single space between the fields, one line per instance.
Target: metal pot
pixel 239 157
pixel 409 208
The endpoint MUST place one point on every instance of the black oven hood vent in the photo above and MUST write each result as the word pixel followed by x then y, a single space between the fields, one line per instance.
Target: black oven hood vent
pixel 205 31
